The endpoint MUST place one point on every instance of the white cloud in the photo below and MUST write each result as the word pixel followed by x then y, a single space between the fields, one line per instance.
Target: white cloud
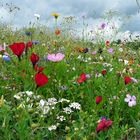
pixel 93 9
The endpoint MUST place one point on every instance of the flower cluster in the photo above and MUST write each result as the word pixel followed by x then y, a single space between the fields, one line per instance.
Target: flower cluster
pixel 37 104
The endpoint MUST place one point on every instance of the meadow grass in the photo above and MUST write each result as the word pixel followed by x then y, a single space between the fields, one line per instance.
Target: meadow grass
pixel 65 108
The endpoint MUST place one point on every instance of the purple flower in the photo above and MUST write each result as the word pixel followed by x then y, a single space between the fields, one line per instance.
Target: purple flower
pixel 134 80
pixel 131 100
pixel 110 50
pixel 94 53
pixel 88 76
pixel 6 58
pixel 103 25
pixel 55 57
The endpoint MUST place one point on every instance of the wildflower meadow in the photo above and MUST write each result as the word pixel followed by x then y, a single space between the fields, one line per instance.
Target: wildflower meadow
pixel 60 83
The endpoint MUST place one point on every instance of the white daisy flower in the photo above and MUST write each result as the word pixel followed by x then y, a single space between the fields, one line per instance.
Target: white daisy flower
pixel 17 97
pixel 45 109
pixel 67 110
pixel 126 62
pixel 29 93
pixel 51 101
pixel 75 105
pixel 52 127
pixel 61 118
pixel 42 103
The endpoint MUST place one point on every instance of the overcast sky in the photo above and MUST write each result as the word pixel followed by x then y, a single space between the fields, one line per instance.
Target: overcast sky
pixel 92 9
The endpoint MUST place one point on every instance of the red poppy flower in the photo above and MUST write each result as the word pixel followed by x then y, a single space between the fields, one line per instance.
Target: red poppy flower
pixel 82 78
pixel 17 48
pixel 34 58
pixel 98 99
pixel 107 43
pixel 39 69
pixel 57 32
pixel 29 45
pixel 127 80
pixel 104 72
pixel 103 125
pixel 41 79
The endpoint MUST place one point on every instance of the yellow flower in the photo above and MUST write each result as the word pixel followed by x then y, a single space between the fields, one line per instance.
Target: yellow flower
pixel 55 15
pixel 81 50
pixel 131 61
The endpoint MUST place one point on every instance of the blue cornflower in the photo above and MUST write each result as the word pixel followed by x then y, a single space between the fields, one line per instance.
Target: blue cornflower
pixel 28 33
pixel 35 42
pixel 6 58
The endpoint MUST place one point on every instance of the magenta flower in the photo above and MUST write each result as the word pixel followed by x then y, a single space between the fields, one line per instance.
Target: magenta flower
pixel 103 125
pixel 110 50
pixel 55 57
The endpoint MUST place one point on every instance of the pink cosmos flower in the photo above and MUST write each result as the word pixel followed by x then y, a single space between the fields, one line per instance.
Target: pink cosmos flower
pixel 94 53
pixel 55 57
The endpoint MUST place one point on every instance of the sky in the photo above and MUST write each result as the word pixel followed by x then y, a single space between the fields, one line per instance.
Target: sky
pixel 127 11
